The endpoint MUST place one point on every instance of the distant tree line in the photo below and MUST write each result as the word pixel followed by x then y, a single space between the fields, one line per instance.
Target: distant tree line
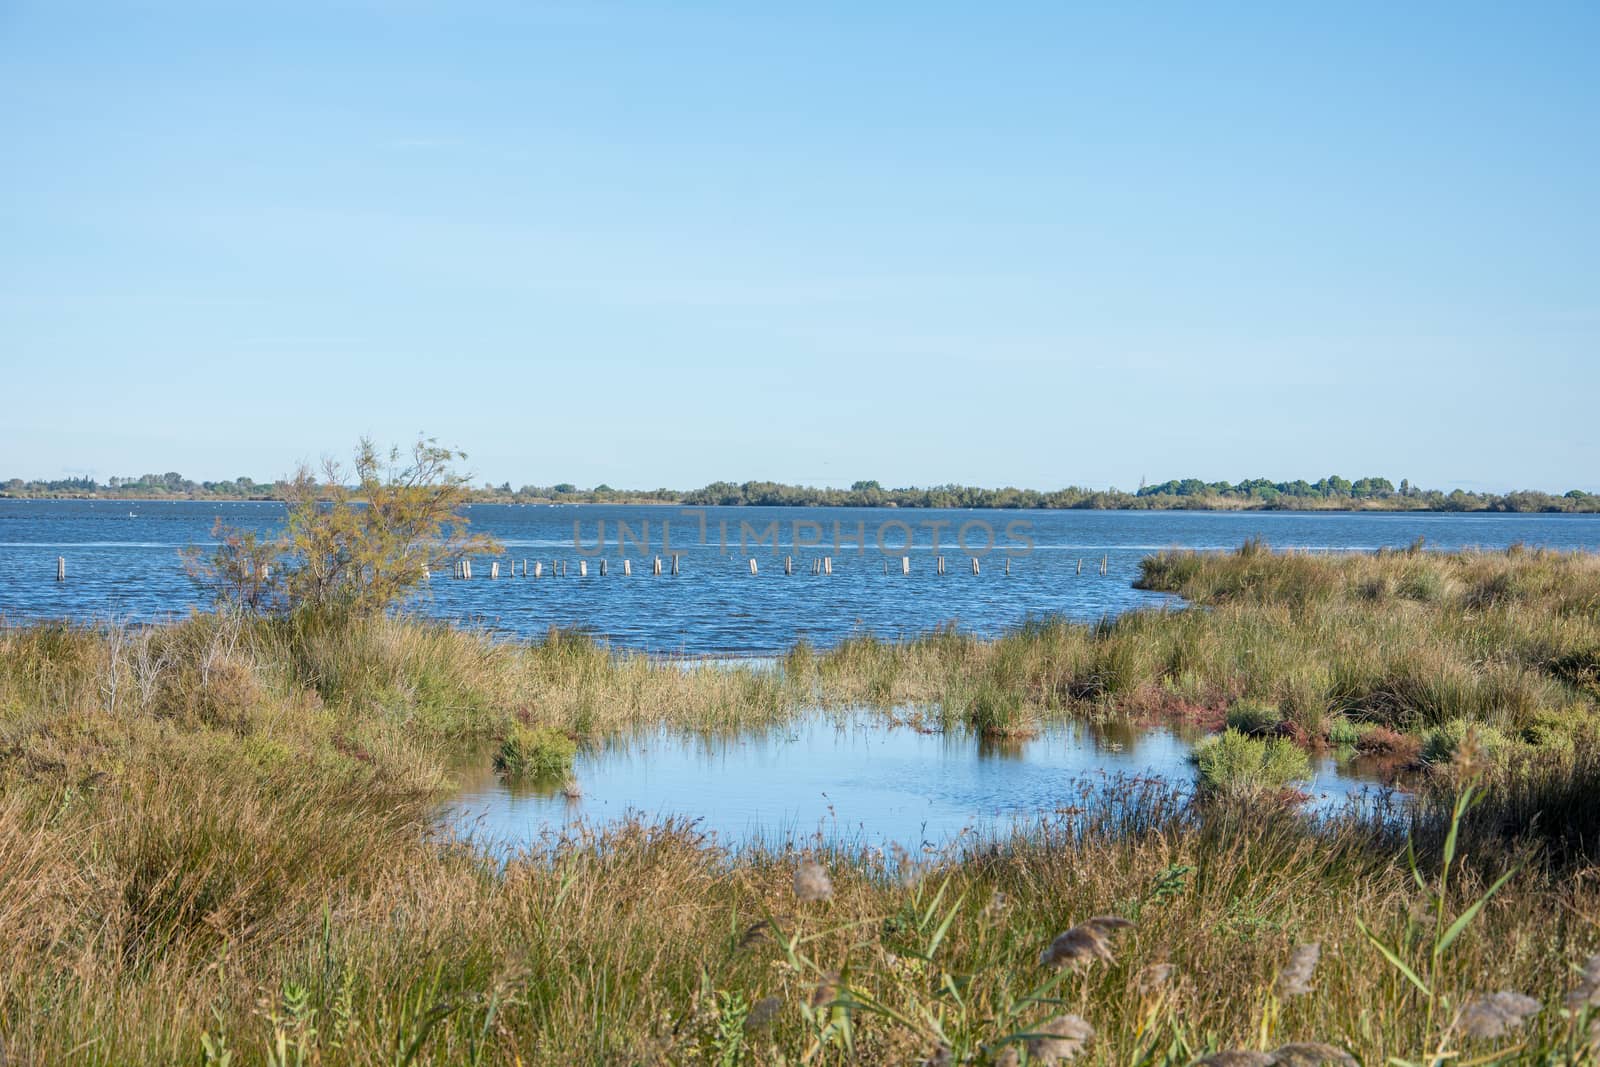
pixel 1330 493
pixel 147 486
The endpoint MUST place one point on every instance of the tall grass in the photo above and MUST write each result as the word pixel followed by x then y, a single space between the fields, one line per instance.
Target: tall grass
pixel 217 843
pixel 1408 641
pixel 145 923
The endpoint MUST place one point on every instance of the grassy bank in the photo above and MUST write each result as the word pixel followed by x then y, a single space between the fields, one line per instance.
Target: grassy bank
pixel 216 843
pixel 1383 651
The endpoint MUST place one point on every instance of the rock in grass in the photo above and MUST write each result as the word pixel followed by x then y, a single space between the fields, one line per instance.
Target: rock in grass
pixel 1057 1041
pixel 1490 1015
pixel 1311 1054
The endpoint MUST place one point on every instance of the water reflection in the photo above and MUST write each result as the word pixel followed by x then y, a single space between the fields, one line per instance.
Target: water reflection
pixel 848 778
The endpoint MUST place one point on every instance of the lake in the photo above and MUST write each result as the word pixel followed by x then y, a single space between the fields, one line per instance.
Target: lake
pixel 122 563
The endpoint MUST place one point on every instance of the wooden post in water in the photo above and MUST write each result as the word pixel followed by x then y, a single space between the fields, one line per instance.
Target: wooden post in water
pixel 674 564
pixel 1104 564
pixel 752 565
pixel 816 566
pixel 974 564
pixel 905 564
pixel 61 568
pixel 627 568
pixel 602 568
pixel 494 569
pixel 827 564
pixel 538 568
pixel 1080 566
pixel 1008 564
pixel 657 570
pixel 788 564
pixel 941 564
pixel 583 568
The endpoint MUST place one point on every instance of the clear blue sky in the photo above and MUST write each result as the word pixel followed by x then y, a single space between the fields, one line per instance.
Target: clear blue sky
pixel 1037 244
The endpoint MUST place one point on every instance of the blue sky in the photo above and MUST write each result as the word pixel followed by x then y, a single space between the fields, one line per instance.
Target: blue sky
pixel 662 244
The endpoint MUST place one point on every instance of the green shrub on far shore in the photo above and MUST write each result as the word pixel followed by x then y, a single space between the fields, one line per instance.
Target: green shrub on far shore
pixel 534 751
pixel 1238 765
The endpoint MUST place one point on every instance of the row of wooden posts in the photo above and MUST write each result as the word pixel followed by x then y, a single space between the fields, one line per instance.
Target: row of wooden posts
pixel 819 565
pixel 558 568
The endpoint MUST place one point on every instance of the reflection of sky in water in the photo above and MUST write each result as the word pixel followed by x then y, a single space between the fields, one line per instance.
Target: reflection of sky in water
pixel 852 779
pixel 122 562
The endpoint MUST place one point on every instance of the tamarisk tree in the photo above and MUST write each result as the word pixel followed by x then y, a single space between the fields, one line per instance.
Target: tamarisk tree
pixel 356 540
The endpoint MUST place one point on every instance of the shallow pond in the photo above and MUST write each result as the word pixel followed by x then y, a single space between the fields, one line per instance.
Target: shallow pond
pixel 852 779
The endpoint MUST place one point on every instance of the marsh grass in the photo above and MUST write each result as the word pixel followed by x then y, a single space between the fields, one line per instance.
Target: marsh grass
pixel 1402 641
pixel 138 927
pixel 218 843
pixel 1254 718
pixel 535 750
pixel 1236 764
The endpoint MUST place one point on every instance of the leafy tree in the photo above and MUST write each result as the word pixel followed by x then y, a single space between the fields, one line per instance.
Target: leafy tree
pixel 239 573
pixel 353 547
pixel 1372 487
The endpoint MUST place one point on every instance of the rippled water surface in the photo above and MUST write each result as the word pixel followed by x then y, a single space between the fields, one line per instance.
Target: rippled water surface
pixel 853 780
pixel 122 562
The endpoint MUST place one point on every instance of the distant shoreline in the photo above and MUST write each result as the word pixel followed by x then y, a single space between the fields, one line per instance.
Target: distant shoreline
pixel 1583 506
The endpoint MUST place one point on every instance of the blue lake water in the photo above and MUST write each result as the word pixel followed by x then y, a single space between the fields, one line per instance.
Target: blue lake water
pixel 122 562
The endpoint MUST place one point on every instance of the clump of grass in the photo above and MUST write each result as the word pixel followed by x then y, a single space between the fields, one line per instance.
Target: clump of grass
pixel 1441 743
pixel 1237 765
pixel 535 751
pixel 995 711
pixel 1254 718
pixel 1342 733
